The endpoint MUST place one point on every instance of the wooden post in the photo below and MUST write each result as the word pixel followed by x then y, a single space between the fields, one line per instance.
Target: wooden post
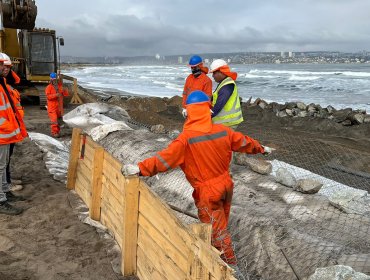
pixel 75 98
pixel 73 158
pixel 97 175
pixel 196 270
pixel 130 225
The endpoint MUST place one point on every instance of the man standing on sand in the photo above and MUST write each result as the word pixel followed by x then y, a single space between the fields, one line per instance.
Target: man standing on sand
pixel 12 79
pixel 55 94
pixel 197 80
pixel 203 152
pixel 12 130
pixel 225 99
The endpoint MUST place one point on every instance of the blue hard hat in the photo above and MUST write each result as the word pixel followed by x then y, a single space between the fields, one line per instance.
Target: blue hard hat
pixel 197 96
pixel 53 75
pixel 195 60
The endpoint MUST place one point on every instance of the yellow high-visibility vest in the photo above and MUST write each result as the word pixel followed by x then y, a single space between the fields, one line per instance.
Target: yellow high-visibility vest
pixel 231 113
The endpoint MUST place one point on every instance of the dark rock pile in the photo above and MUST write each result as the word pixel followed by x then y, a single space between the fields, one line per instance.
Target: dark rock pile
pixel 346 117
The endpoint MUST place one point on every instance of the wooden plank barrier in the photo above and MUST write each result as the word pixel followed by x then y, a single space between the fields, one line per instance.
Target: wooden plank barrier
pixel 154 242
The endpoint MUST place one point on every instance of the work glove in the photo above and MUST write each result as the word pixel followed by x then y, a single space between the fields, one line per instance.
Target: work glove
pixel 184 113
pixel 130 169
pixel 268 150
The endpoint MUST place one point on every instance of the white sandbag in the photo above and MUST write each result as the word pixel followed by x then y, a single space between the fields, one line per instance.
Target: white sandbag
pixel 90 115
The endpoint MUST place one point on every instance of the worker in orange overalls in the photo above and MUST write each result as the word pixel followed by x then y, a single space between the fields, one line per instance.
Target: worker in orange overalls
pixel 12 79
pixel 203 152
pixel 197 80
pixel 55 94
pixel 12 130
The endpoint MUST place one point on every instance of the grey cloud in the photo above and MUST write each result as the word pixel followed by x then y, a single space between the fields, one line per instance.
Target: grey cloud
pixel 171 27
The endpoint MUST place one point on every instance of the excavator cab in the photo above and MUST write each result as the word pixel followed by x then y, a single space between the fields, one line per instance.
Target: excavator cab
pixel 34 51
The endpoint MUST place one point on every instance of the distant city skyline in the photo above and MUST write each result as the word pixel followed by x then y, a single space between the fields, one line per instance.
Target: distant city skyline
pixel 238 58
pixel 135 28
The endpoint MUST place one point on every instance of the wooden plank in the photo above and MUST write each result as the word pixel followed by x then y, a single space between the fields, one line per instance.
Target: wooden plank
pixel 179 257
pixel 89 153
pixel 73 158
pixel 106 219
pixel 83 193
pixel 173 228
pixel 114 202
pixel 115 163
pixel 147 271
pixel 196 270
pixel 204 231
pixel 116 213
pixel 114 174
pixel 113 224
pixel 85 171
pixel 114 190
pixel 83 182
pixel 130 225
pixel 97 175
pixel 164 223
pixel 91 143
pixel 158 257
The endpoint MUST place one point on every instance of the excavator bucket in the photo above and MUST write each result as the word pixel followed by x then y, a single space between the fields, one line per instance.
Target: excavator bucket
pixel 18 14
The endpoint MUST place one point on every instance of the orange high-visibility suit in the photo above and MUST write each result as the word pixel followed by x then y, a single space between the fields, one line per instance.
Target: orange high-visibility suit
pixel 192 83
pixel 203 151
pixel 12 128
pixel 54 95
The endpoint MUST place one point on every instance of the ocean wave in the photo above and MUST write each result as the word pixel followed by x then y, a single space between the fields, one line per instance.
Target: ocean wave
pixel 300 72
pixel 356 74
pixel 303 78
pixel 252 76
pixel 168 85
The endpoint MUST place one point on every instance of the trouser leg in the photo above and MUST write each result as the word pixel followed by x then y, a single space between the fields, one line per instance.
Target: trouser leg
pixel 8 178
pixel 55 129
pixel 214 209
pixel 4 158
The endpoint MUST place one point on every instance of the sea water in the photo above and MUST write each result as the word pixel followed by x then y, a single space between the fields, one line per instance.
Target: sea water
pixel 339 85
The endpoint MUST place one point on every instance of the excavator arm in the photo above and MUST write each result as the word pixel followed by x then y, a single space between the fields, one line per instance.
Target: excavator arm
pixel 18 14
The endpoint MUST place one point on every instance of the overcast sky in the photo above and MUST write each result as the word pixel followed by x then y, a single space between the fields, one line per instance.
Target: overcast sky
pixel 169 27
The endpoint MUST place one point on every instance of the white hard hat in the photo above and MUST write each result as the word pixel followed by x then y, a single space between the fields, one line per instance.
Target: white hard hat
pixel 217 64
pixel 7 61
pixel 2 57
pixel 5 58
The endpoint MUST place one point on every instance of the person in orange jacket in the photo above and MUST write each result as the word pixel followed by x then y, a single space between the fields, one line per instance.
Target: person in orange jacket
pixel 12 130
pixel 197 80
pixel 12 79
pixel 203 152
pixel 55 94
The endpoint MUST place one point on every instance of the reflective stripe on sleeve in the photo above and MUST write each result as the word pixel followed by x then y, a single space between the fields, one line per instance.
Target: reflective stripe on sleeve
pixel 163 161
pixel 244 143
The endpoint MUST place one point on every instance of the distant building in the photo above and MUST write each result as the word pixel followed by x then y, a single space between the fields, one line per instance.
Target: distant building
pixel 206 61
pixel 291 54
pixel 282 54
pixel 179 59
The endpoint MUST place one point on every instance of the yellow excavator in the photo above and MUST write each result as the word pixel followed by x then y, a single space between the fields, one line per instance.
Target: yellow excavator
pixel 34 51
